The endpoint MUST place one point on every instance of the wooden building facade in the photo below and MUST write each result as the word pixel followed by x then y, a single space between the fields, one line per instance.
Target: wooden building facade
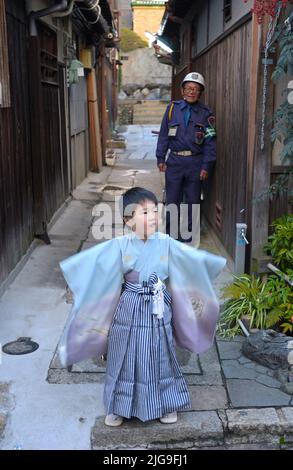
pixel 53 125
pixel 223 41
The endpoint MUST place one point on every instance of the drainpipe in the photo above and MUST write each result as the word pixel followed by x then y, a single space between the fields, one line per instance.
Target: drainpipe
pixel 34 15
pixel 67 12
pixel 91 11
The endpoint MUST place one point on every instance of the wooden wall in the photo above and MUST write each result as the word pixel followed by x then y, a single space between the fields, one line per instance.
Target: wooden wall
pixel 52 118
pixel 79 130
pixel 16 217
pixel 33 152
pixel 280 203
pixel 226 69
pixel 4 62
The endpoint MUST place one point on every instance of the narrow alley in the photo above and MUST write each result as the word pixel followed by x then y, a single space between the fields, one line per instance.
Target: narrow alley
pixel 48 407
pixel 191 100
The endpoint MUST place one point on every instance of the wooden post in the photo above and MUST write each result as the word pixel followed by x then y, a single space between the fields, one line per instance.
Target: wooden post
pixel 4 63
pixel 103 102
pixel 37 141
pixel 94 124
pixel 258 160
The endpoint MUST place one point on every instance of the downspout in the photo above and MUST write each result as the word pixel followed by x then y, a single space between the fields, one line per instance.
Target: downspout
pixel 34 15
pixel 93 8
pixel 67 12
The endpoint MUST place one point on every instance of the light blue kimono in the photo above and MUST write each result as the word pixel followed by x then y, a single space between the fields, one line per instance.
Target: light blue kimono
pixel 96 275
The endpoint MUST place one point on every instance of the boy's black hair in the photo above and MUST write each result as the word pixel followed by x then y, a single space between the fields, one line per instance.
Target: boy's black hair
pixel 135 196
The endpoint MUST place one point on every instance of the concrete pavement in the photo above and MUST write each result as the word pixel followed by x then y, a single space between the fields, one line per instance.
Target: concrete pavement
pixel 235 402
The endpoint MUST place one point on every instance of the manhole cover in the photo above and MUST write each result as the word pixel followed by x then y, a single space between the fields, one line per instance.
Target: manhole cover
pixel 22 345
pixel 114 190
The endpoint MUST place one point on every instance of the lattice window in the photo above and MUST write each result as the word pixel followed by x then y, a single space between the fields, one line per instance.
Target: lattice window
pixel 227 10
pixel 49 68
pixel 49 59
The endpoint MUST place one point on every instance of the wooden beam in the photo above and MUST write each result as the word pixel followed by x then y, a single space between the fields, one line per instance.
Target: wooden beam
pixel 94 124
pixel 5 101
pixel 258 160
pixel 36 114
pixel 103 101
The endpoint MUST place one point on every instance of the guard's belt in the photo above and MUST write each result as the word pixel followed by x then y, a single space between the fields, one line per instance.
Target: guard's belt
pixel 184 153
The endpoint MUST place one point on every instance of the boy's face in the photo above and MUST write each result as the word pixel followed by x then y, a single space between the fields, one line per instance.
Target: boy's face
pixel 144 221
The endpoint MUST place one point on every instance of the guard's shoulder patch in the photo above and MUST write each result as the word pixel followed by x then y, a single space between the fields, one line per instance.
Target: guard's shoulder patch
pixel 212 121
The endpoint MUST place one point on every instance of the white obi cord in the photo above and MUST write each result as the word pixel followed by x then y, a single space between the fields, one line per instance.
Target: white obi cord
pixel 158 299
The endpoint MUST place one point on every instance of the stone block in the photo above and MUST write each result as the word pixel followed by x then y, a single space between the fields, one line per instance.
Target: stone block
pixel 195 429
pixel 208 397
pixel 229 349
pixel 249 393
pixel 253 426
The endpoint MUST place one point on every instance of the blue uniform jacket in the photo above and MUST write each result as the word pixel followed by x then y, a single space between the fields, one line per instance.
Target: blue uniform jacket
pixel 199 136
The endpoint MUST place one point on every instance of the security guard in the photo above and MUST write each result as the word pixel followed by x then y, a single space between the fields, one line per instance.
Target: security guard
pixel 188 131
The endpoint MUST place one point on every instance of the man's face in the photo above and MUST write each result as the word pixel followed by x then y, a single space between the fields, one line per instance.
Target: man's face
pixel 191 92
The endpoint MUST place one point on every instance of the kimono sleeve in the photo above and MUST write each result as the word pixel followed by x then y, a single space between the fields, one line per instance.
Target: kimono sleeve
pixel 194 302
pixel 95 278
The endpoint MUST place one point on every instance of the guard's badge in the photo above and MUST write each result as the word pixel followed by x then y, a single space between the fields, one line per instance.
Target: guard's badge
pixel 199 137
pixel 212 121
pixel 194 76
pixel 172 131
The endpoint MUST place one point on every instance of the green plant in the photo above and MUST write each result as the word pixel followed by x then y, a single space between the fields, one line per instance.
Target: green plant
pixel 266 304
pixel 131 41
pixel 280 243
pixel 246 296
pixel 280 299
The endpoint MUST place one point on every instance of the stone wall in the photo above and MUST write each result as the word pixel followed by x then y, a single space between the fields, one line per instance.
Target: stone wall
pixel 141 67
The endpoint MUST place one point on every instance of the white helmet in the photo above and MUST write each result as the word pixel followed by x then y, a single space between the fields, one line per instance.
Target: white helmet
pixel 194 77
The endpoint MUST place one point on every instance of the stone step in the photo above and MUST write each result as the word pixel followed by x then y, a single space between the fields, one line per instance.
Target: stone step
pixel 153 112
pixel 141 112
pixel 148 111
pixel 203 427
pixel 150 103
pixel 157 118
pixel 147 121
pixel 247 429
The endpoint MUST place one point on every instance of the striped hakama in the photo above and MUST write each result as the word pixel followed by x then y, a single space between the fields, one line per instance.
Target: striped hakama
pixel 143 377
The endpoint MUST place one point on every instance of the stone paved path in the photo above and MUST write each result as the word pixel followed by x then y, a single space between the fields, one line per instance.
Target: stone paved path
pixel 235 402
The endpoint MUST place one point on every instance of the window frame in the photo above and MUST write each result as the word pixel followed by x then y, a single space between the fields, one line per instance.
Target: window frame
pixel 227 10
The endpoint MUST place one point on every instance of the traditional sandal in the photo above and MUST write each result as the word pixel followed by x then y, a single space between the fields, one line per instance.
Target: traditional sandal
pixel 113 420
pixel 169 418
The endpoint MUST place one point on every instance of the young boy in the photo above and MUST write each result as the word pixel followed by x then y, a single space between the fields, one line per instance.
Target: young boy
pixel 136 326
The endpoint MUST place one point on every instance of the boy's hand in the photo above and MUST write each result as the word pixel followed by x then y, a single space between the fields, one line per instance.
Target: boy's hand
pixel 162 167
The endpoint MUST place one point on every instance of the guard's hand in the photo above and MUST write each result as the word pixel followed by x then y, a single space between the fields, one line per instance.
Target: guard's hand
pixel 203 175
pixel 162 167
